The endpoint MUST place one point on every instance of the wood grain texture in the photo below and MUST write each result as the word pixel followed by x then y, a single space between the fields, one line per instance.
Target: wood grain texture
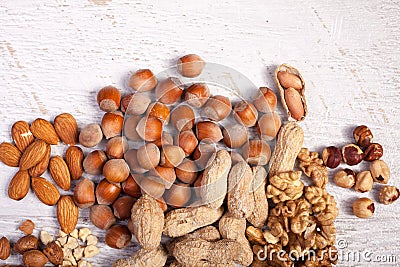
pixel 55 56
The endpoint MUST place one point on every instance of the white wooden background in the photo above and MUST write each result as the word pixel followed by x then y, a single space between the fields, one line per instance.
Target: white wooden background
pixel 55 55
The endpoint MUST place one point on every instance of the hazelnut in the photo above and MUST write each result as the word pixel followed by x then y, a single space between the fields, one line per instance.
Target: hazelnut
pixel 352 154
pixel 380 171
pixel 191 65
pixel 197 95
pixel 116 147
pixel 148 156
pixel 187 141
pixel 112 123
pixel 169 91
pixel 152 186
pixel 289 80
pixel 332 156
pixel 167 175
pixel 217 108
pixel 208 132
pixel 116 170
pixel 130 128
pixel 178 195
pixel 163 205
pixel 91 135
pixel 122 207
pixel 135 104
pixel 373 152
pixel 363 136
pixel 256 152
pixel 94 162
pixel 245 113
pixel 159 111
pixel 266 100
pixel 389 194
pixel 118 236
pixel 182 118
pixel 166 139
pixel 109 99
pixel 364 182
pixel 197 185
pixel 102 216
pixel 235 135
pixel 149 129
pixel 363 207
pixel 143 80
pixel 131 187
pixel 131 159
pixel 268 126
pixel 84 193
pixel 345 178
pixel 106 192
pixel 203 154
pixel 187 171
pixel 171 156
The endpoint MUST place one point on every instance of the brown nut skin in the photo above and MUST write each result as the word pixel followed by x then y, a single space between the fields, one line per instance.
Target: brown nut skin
pixel 118 236
pixel 190 65
pixel 389 194
pixel 5 248
pixel 160 111
pixel 364 182
pixel 34 258
pixel 130 128
pixel 217 108
pixel 143 80
pixel 294 103
pixel 345 178
pixel 332 156
pixel 109 99
pixel 363 207
pixel 54 253
pixel 373 152
pixel 197 95
pixel 363 136
pixel 289 80
pixel 28 242
pixel 380 171
pixel 352 154
pixel 266 100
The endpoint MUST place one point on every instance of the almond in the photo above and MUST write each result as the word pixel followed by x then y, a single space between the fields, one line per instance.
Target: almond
pixel 41 167
pixel 54 253
pixel 66 128
pixel 21 134
pixel 44 130
pixel 74 159
pixel 10 154
pixel 59 171
pixel 34 258
pixel 5 249
pixel 45 191
pixel 19 185
pixel 67 214
pixel 33 154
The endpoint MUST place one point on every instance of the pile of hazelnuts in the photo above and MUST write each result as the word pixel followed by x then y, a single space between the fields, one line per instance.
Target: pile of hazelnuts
pixel 161 136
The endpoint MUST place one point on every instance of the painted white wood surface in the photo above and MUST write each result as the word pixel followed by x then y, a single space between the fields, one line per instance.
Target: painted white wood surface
pixel 55 56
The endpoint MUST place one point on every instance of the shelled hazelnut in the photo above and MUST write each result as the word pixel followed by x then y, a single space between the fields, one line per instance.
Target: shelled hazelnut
pixel 373 152
pixel 190 65
pixel 363 207
pixel 109 99
pixel 143 80
pixel 332 156
pixel 245 113
pixel 112 124
pixel 182 118
pixel 256 152
pixel 235 135
pixel 217 108
pixel 380 171
pixel 352 154
pixel 197 95
pixel 266 100
pixel 169 91
pixel 364 182
pixel 208 132
pixel 389 194
pixel 149 128
pixel 345 178
pixel 363 136
pixel 268 126
pixel 91 135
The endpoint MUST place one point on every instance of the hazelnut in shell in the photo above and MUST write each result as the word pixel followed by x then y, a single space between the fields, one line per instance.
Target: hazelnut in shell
pixel 148 156
pixel 91 135
pixel 178 195
pixel 84 193
pixel 160 111
pixel 217 108
pixel 169 91
pixel 116 170
pixel 94 162
pixel 235 135
pixel 109 99
pixel 122 207
pixel 245 113
pixel 135 104
pixel 152 186
pixel 191 65
pixel 130 128
pixel 102 216
pixel 106 192
pixel 149 128
pixel 208 132
pixel 187 171
pixel 266 100
pixel 256 152
pixel 187 140
pixel 268 126
pixel 132 161
pixel 112 124
pixel 131 187
pixel 116 147
pixel 118 236
pixel 197 95
pixel 182 118
pixel 142 80
pixel 171 156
